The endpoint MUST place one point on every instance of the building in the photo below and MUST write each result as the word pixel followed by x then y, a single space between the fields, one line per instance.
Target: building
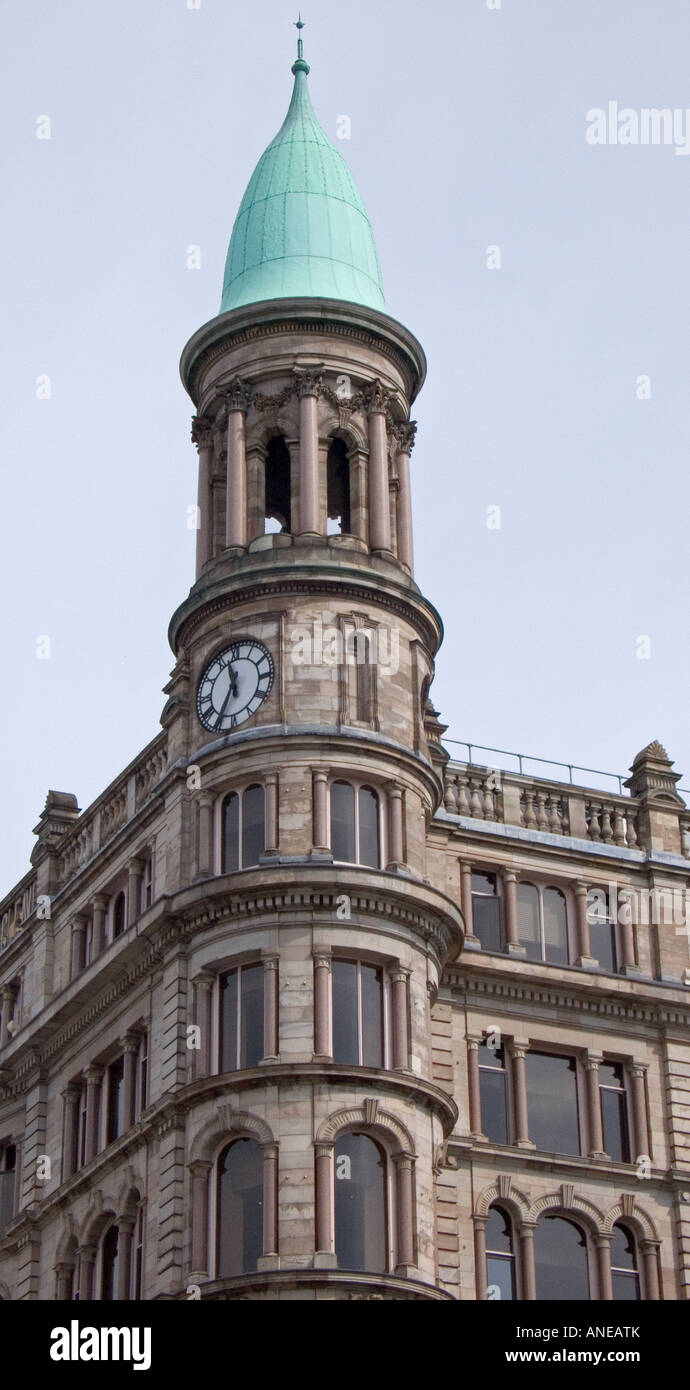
pixel 301 1007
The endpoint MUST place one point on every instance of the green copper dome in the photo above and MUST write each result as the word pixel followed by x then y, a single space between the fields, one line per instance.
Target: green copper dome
pixel 301 230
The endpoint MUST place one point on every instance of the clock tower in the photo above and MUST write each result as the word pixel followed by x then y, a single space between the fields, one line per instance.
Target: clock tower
pixel 299 707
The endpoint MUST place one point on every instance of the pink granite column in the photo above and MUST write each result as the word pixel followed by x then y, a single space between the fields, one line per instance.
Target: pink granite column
pixel 238 397
pixel 308 388
pixel 529 1279
pixel 135 874
pixel 322 1002
pixel 124 1256
pixel 474 1089
pixel 584 947
pixel 379 505
pixel 637 1073
pixel 65 1275
pixel 324 1222
pixel 405 434
pixel 271 793
pixel 511 913
pixel 650 1256
pixel 70 1122
pixel 518 1052
pixel 202 436
pixel 480 1257
pixel 100 918
pixel 321 836
pixel 94 1077
pixel 130 1046
pixel 405 1202
pixel 399 978
pixel 87 1260
pixel 78 945
pixel 203 986
pixel 604 1268
pixel 206 865
pixel 270 963
pixel 200 1170
pixel 596 1135
pixel 394 804
pixel 466 900
pixel 270 1195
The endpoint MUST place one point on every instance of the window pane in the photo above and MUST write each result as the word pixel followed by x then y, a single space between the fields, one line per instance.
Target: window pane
pixel 360 1204
pixel 560 1260
pixel 368 827
pixel 498 1234
pixel 622 1249
pixel 602 936
pixel 109 1265
pixel 343 822
pixel 528 920
pixel 492 1088
pixel 116 1076
pixel 119 918
pixel 253 831
pixel 614 1121
pixel 500 1274
pixel 6 1198
pixel 372 1016
pixel 484 883
pixel 228 1022
pixel 240 1208
pixel 555 927
pixel 251 1015
pixel 625 1287
pixel 345 1032
pixel 488 925
pixel 231 830
pixel 552 1103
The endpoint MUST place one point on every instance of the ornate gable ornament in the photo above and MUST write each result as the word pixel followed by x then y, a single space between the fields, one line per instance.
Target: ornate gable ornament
pixel 652 778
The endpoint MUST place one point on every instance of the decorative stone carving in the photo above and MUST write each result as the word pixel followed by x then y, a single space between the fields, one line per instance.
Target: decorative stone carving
pixel 202 431
pixel 238 395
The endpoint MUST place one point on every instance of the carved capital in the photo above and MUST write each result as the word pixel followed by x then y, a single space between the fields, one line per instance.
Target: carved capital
pixel 202 431
pixel 309 383
pixel 238 395
pixel 404 435
pixel 376 398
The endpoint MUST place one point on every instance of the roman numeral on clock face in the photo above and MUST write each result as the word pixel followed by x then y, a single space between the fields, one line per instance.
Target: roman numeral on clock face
pixel 234 685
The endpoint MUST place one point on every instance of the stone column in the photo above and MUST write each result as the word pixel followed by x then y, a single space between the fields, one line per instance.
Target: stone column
pixel 404 434
pixel 135 873
pixel 626 936
pixel 604 1268
pixel 518 1052
pixel 130 1046
pixel 202 436
pixel 200 1170
pixel 474 1089
pixel 70 1129
pixel 596 1135
pixel 638 1098
pixel 100 918
pixel 513 947
pixel 203 985
pixel 529 1281
pixel 63 1290
pixel 7 1007
pixel 321 836
pixel 466 902
pixel 322 1002
pixel 650 1256
pixel 379 515
pixel 94 1077
pixel 584 948
pixel 125 1230
pixel 399 978
pixel 405 1205
pixel 238 398
pixel 308 388
pixel 78 945
pixel 480 1257
pixel 270 963
pixel 87 1260
pixel 270 1195
pixel 324 1223
pixel 272 829
pixel 206 864
pixel 396 856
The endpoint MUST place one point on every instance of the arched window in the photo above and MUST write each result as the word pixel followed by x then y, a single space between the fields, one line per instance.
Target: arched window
pixel 244 829
pixel 277 510
pixel 242 1017
pixel 543 923
pixel 355 829
pixel 560 1260
pixel 240 1208
pixel 500 1256
pixel 119 915
pixel 624 1274
pixel 360 1204
pixel 109 1249
pixel 338 489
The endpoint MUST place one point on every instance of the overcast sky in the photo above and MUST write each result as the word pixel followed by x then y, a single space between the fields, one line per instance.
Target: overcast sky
pixel 567 626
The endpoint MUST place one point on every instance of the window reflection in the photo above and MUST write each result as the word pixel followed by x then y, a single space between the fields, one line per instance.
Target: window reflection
pixel 360 1204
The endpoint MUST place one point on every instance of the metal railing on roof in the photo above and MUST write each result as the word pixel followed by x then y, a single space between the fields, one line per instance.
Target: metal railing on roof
pixel 522 758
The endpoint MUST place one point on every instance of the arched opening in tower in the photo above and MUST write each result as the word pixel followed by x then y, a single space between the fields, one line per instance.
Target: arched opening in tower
pixel 338 488
pixel 277 505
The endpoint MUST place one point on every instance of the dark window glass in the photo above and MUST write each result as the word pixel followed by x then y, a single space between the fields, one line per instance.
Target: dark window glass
pixel 555 927
pixel 143 1081
pixel 338 488
pixel 109 1264
pixel 240 1208
pixel 253 830
pixel 345 1012
pixel 343 822
pixel 484 883
pixel 8 1163
pixel 372 1015
pixel 614 1115
pixel 119 915
pixel 552 1103
pixel 624 1275
pixel 368 827
pixel 365 678
pixel 493 1094
pixel 500 1260
pixel 602 931
pixel 242 1017
pixel 277 507
pixel 560 1261
pixel 528 920
pixel 231 833
pixel 360 1204
pixel 488 922
pixel 115 1120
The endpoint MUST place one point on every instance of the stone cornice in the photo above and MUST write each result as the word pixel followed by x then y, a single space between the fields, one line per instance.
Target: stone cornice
pixel 386 1287
pixel 503 1156
pixel 642 1007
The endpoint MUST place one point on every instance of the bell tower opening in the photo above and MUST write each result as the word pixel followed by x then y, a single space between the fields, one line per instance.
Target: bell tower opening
pixel 338 489
pixel 277 507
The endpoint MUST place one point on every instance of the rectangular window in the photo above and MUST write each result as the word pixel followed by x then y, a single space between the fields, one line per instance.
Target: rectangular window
pixel 357 1013
pixel 115 1116
pixel 543 923
pixel 552 1109
pixel 8 1164
pixel 493 1089
pixel 81 1129
pixel 614 1111
pixel 242 1018
pixel 487 912
pixel 142 1097
pixel 602 930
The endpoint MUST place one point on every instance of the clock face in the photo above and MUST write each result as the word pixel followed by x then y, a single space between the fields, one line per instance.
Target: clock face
pixel 234 685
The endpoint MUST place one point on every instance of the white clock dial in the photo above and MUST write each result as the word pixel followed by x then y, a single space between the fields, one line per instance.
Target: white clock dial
pixel 234 685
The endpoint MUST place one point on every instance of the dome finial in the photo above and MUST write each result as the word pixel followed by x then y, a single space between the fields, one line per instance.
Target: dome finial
pixel 299 65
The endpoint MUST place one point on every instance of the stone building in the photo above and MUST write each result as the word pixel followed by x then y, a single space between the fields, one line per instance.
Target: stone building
pixel 300 1007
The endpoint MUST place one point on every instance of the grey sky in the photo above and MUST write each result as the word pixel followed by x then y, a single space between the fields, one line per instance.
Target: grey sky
pixel 468 130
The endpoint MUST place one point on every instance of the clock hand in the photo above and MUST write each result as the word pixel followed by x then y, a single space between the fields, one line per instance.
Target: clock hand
pixel 232 690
